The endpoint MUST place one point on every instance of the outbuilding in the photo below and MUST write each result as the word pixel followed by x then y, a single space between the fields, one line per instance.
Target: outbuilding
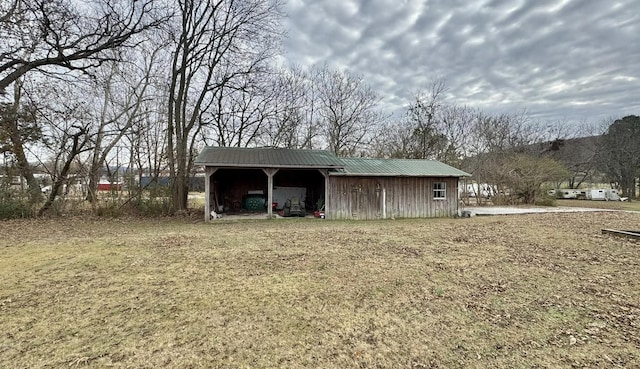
pixel 261 179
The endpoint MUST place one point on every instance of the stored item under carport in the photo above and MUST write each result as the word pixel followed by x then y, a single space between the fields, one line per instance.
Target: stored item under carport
pixel 254 202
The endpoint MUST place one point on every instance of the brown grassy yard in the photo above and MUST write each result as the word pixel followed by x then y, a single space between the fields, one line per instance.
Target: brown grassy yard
pixel 544 290
pixel 615 205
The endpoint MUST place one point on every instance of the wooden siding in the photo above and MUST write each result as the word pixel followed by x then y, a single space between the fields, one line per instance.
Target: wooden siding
pixel 405 197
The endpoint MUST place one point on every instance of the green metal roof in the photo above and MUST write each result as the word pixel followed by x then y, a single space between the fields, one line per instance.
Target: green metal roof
pixel 267 157
pixel 398 167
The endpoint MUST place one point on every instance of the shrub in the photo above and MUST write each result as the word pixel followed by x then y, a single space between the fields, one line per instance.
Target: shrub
pixel 546 201
pixel 501 199
pixel 160 206
pixel 109 208
pixel 14 206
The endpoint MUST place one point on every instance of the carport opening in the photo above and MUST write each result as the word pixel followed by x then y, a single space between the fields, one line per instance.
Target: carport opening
pixel 230 189
pixel 246 190
pixel 311 180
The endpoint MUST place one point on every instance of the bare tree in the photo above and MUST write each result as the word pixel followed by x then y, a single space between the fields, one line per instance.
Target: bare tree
pixel 457 124
pixel 431 129
pixel 348 108
pixel 289 88
pixel 124 92
pixel 147 143
pixel 296 122
pixel 494 140
pixel 578 154
pixel 215 43
pixel 239 111
pixel 66 122
pixel 424 120
pixel 72 140
pixel 396 142
pixel 54 35
pixel 497 133
pixel 619 153
pixel 7 10
pixel 18 128
pixel 525 175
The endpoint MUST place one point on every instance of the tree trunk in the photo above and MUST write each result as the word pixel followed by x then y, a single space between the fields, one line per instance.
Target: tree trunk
pixel 35 196
pixel 180 185
pixel 94 174
pixel 76 149
pixel 92 189
pixel 17 147
pixel 628 187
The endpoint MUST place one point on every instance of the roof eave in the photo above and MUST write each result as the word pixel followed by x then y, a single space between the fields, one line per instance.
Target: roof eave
pixel 397 175
pixel 227 165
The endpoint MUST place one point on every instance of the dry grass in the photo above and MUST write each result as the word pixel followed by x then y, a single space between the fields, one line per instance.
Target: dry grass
pixel 615 205
pixel 544 290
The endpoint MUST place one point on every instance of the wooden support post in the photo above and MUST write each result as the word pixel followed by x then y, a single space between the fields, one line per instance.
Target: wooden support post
pixel 384 203
pixel 270 172
pixel 208 172
pixel 325 174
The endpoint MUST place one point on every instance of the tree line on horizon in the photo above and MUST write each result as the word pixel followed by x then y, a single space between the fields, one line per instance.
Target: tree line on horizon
pixel 83 83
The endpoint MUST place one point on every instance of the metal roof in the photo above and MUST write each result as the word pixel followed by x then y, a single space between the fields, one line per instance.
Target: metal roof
pixel 267 157
pixel 398 167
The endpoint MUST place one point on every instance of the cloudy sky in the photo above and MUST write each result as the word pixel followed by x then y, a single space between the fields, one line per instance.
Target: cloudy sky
pixel 561 60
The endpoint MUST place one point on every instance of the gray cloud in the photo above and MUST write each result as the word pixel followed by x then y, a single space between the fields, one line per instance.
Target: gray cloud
pixel 571 60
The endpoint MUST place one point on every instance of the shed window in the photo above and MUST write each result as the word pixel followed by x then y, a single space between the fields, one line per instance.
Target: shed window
pixel 440 190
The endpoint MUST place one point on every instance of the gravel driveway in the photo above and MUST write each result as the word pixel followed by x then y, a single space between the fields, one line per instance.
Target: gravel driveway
pixel 505 210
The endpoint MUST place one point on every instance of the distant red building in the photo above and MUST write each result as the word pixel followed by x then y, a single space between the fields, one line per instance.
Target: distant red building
pixel 109 186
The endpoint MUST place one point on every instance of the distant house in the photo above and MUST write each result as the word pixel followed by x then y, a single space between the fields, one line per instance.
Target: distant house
pixel 107 185
pixel 196 183
pixel 347 188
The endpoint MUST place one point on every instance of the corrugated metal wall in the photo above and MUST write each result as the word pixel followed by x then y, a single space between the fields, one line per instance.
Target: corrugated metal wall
pixel 405 197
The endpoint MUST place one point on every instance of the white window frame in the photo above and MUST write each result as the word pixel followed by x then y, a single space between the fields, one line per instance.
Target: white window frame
pixel 439 190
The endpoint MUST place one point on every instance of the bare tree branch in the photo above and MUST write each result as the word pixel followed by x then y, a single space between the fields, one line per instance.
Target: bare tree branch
pixel 8 10
pixel 73 35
